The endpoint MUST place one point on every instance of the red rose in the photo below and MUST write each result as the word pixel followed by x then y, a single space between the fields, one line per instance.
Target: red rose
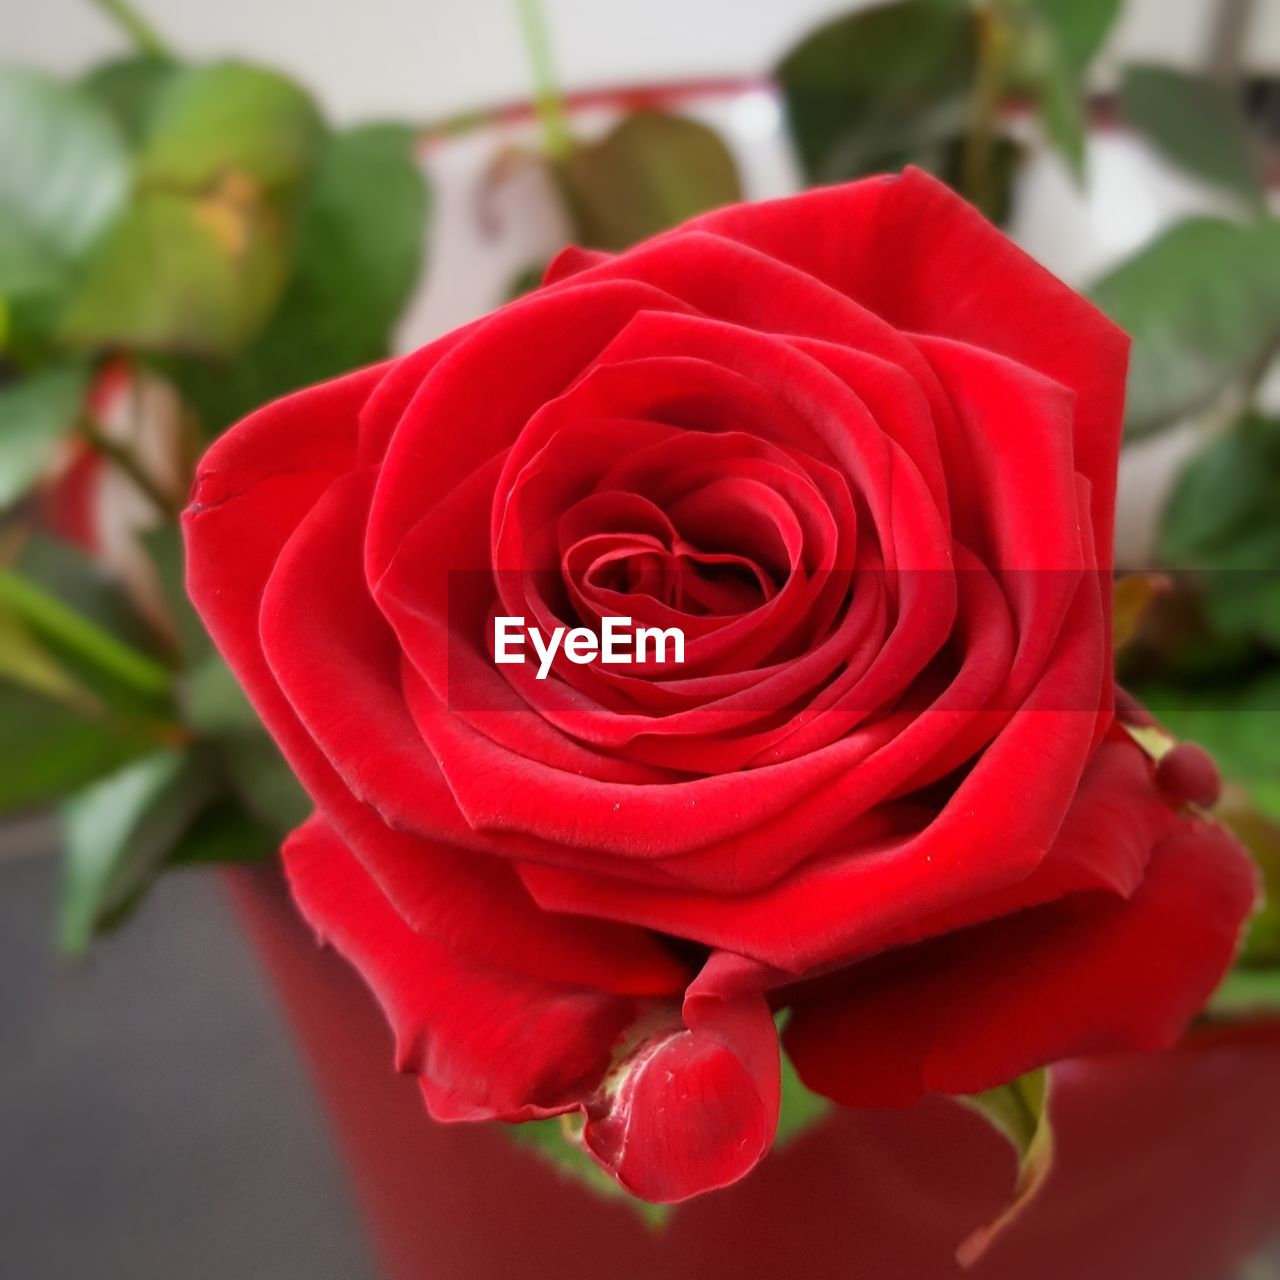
pixel 863 450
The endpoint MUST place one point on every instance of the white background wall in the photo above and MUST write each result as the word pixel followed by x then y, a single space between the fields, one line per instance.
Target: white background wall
pixel 421 58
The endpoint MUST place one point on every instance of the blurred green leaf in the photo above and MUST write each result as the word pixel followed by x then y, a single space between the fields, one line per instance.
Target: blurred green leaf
pixel 26 662
pixel 359 249
pixel 357 262
pixel 64 169
pixel 1019 1111
pixel 82 585
pixel 1053 43
pixel 74 635
pixel 1222 518
pixel 1247 992
pixel 216 708
pixel 1080 27
pixel 1195 123
pixel 1062 112
pixel 1262 836
pixel 199 260
pixel 131 89
pixel 214 703
pixel 86 627
pixel 649 172
pixel 36 414
pixel 1202 304
pixel 224 832
pixel 183 273
pixel 166 551
pixel 264 782
pixel 556 1140
pixel 48 750
pixel 880 87
pixel 29 266
pixel 801 1109
pixel 230 118
pixel 119 833
pixel 1224 511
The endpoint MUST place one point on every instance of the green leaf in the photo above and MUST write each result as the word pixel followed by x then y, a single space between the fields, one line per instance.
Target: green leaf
pixel 801 1109
pixel 1223 510
pixel 1053 43
pixel 1062 112
pixel 1080 27
pixel 1202 304
pixel 48 750
pixel 64 169
pixel 224 832
pixel 36 415
pixel 73 634
pixel 1262 836
pixel 30 268
pixel 1222 517
pixel 557 1141
pixel 119 833
pixel 1019 1111
pixel 213 701
pixel 650 172
pixel 215 706
pixel 81 584
pixel 263 781
pixel 1247 993
pixel 880 87
pixel 357 262
pixel 229 117
pixel 183 273
pixel 26 662
pixel 165 548
pixel 1197 125
pixel 131 89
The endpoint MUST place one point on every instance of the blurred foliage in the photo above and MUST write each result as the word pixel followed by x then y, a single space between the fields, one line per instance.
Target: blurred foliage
pixel 650 172
pixel 1202 304
pixel 882 87
pixel 1195 123
pixel 200 226
pixel 925 82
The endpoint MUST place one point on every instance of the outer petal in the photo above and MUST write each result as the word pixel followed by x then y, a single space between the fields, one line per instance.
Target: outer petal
pixel 677 1101
pixel 912 251
pixel 486 1042
pixel 1090 973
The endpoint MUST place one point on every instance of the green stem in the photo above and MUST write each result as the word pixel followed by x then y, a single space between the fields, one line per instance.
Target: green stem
pixel 78 635
pixel 144 36
pixel 556 137
pixel 124 458
pixel 984 109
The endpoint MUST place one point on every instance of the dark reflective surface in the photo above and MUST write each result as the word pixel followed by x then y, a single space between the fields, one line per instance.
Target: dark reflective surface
pixel 154 1119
